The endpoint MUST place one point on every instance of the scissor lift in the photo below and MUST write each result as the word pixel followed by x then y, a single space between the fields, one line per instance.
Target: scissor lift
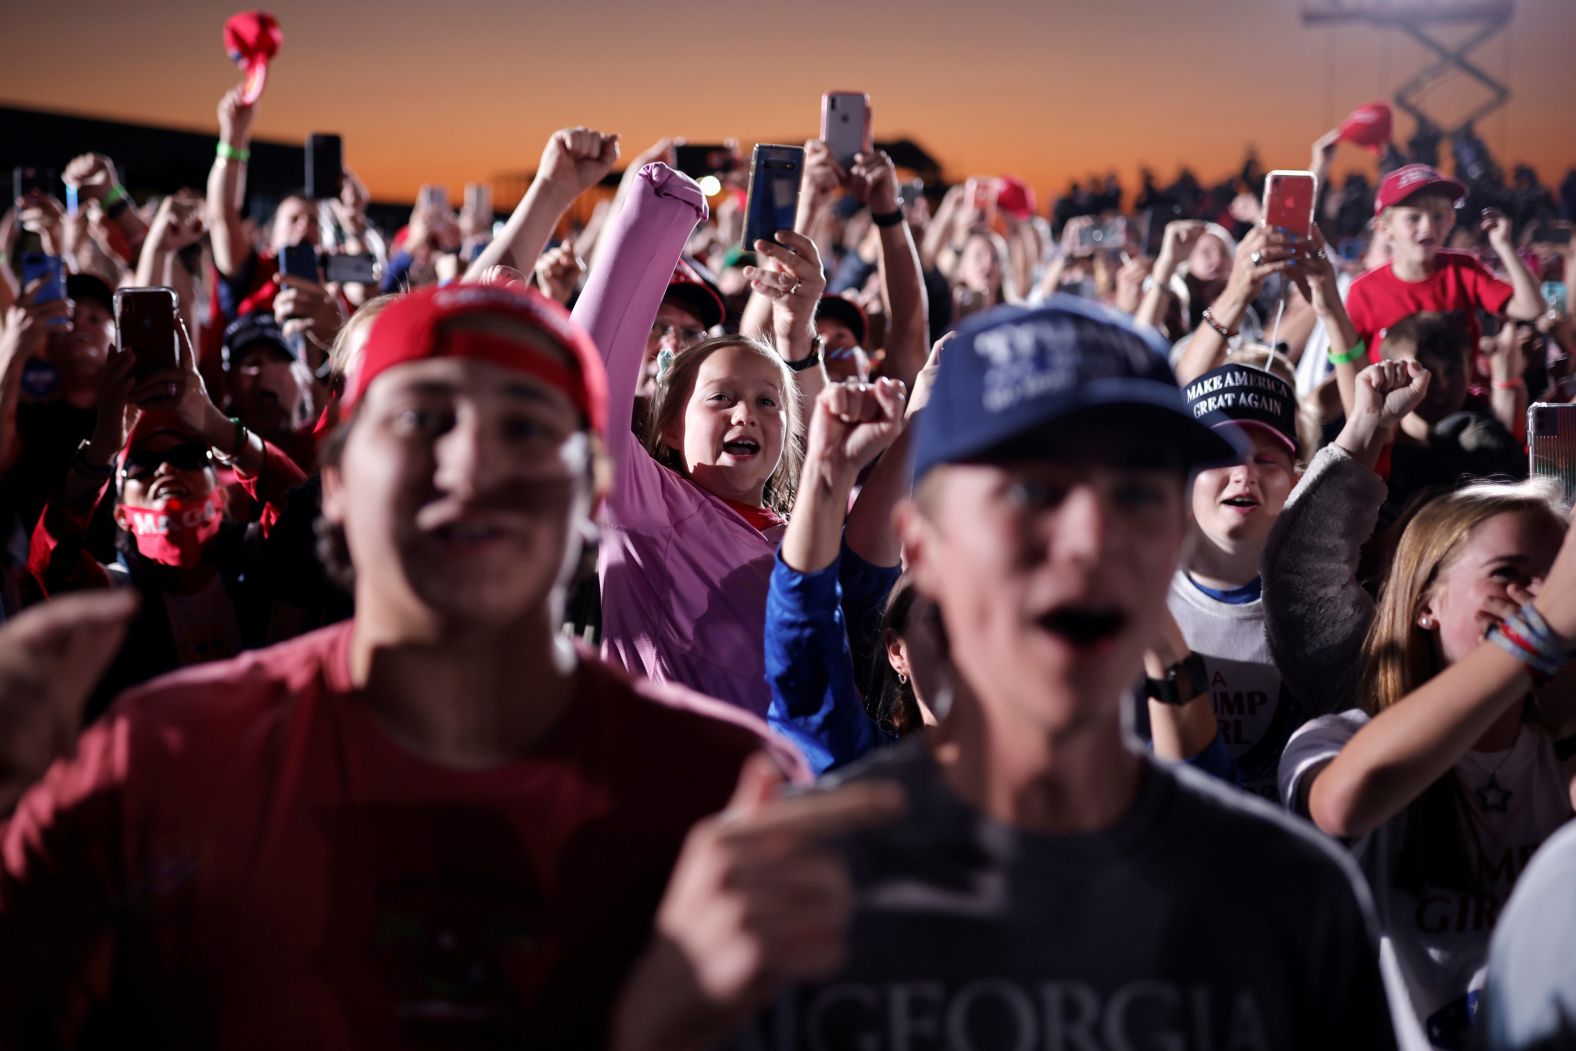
pixel 1422 20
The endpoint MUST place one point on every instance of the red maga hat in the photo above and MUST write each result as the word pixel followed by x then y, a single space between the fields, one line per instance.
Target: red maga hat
pixel 1368 126
pixel 1015 197
pixel 408 330
pixel 1414 178
pixel 252 39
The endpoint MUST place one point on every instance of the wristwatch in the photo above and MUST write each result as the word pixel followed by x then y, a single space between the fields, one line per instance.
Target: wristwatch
pixel 810 360
pixel 1183 682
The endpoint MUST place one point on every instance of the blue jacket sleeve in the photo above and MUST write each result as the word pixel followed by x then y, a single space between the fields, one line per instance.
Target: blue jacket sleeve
pixel 1216 761
pixel 396 272
pixel 814 701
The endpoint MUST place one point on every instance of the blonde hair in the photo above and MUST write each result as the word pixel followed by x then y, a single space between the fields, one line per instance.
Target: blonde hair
pixel 675 384
pixel 1398 656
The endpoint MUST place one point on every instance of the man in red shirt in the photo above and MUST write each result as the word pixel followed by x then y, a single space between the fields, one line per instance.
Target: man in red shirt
pixel 437 823
pixel 1416 209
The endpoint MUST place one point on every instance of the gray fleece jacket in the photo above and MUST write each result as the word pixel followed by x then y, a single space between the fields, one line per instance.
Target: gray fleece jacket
pixel 1316 613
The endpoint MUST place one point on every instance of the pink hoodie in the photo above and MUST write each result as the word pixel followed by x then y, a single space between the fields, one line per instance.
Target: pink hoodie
pixel 684 577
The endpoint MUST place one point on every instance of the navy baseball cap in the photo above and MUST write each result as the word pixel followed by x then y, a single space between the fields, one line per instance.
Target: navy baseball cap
pixel 1244 396
pixel 259 326
pixel 1013 373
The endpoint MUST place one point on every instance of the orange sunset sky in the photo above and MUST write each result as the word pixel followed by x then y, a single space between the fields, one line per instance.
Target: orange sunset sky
pixel 1049 90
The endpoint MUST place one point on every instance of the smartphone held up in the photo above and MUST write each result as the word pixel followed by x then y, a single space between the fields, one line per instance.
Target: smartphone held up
pixel 1288 201
pixel 145 324
pixel 773 201
pixel 845 125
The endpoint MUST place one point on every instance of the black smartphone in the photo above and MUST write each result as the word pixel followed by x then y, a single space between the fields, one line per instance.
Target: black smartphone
pixel 1154 221
pixel 350 269
pixel 26 179
pixel 325 166
pixel 299 260
pixel 703 159
pixel 773 201
pixel 145 325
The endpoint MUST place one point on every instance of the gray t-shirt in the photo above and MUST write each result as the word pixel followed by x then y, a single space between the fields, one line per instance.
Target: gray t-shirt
pixel 1202 920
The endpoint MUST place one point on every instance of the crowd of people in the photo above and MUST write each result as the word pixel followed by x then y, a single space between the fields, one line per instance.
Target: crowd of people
pixel 941 624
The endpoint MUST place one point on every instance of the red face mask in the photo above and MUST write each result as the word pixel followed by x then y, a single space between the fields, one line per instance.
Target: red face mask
pixel 177 533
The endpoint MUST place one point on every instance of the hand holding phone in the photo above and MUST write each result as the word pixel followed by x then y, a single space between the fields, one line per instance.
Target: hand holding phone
pixel 51 269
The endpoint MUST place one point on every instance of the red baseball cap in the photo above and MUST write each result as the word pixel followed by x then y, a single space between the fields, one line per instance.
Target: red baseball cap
pixel 1015 197
pixel 252 39
pixel 1413 178
pixel 1368 126
pixel 696 295
pixel 409 330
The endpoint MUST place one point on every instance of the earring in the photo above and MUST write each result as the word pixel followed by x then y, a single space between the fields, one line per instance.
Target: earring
pixel 902 679
pixel 1425 622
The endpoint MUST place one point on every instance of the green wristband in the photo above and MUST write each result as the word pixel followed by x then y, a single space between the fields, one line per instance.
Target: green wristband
pixel 1359 351
pixel 116 193
pixel 229 153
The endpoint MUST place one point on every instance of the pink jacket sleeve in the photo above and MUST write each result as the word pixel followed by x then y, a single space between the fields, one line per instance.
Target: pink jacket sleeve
pixel 622 296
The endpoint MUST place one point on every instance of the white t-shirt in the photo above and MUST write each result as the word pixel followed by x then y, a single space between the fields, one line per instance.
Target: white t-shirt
pixel 1433 948
pixel 1255 710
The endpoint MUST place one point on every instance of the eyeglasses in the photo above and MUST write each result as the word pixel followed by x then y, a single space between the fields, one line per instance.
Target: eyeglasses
pixel 678 332
pixel 143 464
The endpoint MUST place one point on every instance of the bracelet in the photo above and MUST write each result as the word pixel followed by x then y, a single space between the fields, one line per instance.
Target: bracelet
pixel 1359 349
pixel 226 152
pixel 1526 636
pixel 79 464
pixel 242 436
pixel 1514 383
pixel 891 218
pixel 116 194
pixel 1209 319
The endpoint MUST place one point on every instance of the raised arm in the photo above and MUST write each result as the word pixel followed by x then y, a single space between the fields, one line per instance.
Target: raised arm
pixel 1526 303
pixel 95 178
pixel 1321 287
pixel 873 182
pixel 1316 612
pixel 808 664
pixel 625 289
pixel 1261 253
pixel 792 282
pixel 574 160
pixel 1414 742
pixel 227 185
pixel 1175 245
pixel 22 337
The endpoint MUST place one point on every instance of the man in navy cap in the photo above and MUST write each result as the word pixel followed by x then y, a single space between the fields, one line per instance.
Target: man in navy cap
pixel 1048 885
pixel 269 389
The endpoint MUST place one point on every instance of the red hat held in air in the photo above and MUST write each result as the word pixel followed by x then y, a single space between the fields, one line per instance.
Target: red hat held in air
pixel 252 39
pixel 1368 126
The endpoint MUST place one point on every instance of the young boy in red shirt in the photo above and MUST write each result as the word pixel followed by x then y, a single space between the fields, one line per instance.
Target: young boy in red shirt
pixel 1415 210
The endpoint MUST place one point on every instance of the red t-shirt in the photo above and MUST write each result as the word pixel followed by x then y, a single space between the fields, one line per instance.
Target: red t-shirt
pixel 1378 299
pixel 238 855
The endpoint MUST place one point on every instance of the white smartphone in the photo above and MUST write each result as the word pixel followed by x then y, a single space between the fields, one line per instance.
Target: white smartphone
pixel 845 124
